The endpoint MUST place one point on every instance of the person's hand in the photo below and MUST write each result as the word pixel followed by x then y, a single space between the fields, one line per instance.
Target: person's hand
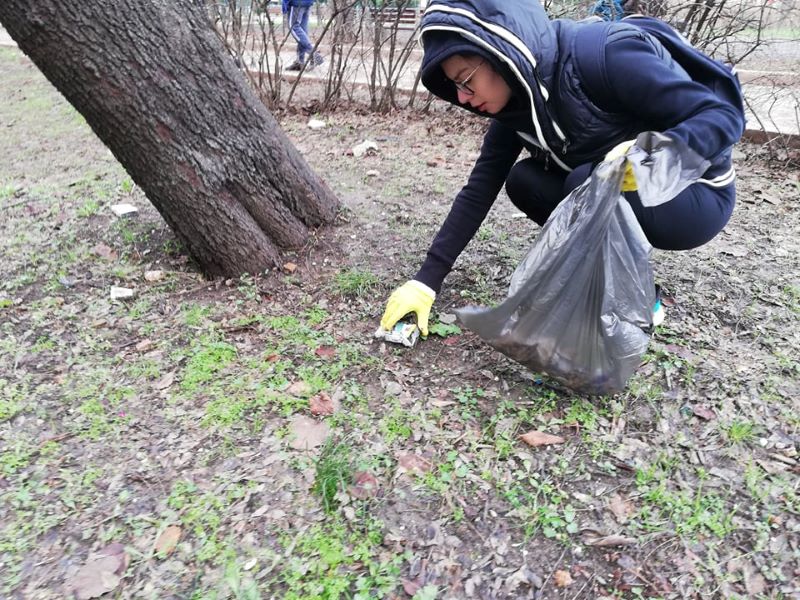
pixel 413 296
pixel 618 151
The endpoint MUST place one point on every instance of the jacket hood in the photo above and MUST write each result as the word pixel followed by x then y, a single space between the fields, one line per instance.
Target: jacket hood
pixel 515 35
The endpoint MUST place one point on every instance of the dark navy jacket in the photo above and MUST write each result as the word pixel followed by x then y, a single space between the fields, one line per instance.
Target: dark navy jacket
pixel 286 4
pixel 556 113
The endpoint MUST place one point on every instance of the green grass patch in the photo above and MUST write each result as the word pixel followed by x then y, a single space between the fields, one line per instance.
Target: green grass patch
pixel 23 525
pixel 12 399
pixel 740 431
pixel 334 471
pixel 687 512
pixel 194 315
pixel 355 283
pixel 541 506
pixel 101 400
pixel 90 207
pixel 328 561
pixel 396 422
pixel 202 514
pixel 208 358
pixel 7 191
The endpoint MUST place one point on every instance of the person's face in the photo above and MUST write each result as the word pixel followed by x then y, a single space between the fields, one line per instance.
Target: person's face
pixel 477 84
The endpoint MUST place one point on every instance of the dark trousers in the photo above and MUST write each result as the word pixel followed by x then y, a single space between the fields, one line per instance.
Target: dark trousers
pixel 687 221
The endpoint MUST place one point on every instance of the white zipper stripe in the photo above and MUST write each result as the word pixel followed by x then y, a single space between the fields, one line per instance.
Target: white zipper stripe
pixel 726 175
pixel 516 72
pixel 721 180
pixel 528 138
pixel 497 29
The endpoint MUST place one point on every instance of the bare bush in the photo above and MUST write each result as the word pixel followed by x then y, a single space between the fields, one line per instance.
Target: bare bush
pixel 372 46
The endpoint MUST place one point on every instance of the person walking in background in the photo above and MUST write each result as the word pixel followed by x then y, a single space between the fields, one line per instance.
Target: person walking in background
pixel 608 10
pixel 297 12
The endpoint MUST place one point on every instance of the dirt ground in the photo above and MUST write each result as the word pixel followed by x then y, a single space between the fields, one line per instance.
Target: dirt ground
pixel 149 446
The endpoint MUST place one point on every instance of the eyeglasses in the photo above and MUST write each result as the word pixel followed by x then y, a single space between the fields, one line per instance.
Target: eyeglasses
pixel 462 86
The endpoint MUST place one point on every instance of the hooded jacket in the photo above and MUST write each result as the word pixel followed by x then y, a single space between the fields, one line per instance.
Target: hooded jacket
pixel 556 113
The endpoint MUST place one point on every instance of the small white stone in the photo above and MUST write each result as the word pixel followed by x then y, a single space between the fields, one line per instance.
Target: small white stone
pixel 316 124
pixel 250 564
pixel 120 293
pixel 153 275
pixel 364 147
pixel 124 209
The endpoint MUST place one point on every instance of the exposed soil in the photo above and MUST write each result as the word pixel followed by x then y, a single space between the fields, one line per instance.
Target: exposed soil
pixel 159 432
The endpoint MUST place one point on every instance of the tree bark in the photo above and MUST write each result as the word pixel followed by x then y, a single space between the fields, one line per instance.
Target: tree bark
pixel 158 88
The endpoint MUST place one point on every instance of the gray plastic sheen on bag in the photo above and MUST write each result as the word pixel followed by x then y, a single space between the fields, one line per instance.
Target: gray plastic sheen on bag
pixel 580 303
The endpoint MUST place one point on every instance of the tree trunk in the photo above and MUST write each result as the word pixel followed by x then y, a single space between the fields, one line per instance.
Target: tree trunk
pixel 158 88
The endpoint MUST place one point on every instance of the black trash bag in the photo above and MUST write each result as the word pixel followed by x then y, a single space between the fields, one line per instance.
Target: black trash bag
pixel 580 304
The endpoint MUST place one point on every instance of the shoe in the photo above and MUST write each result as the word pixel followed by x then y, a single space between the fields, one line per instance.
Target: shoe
pixel 658 309
pixel 295 66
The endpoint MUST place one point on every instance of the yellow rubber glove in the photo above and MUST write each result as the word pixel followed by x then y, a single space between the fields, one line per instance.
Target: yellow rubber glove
pixel 618 151
pixel 411 297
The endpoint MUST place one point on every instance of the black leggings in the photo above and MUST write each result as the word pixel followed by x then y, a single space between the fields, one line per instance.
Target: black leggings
pixel 687 221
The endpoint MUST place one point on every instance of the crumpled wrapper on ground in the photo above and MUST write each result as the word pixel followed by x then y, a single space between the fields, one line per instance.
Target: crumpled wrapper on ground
pixel 404 333
pixel 580 303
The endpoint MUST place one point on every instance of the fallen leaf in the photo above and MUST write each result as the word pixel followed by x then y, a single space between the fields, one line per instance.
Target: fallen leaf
pixel 322 404
pixel 680 351
pixel 620 508
pixel 540 438
pixel 104 251
pixel 325 351
pixel 365 485
pixel 102 573
pixel 307 433
pixel 413 463
pixel 703 412
pixel 631 569
pixel 771 466
pixel 562 578
pixel 143 346
pixel 611 540
pixel 411 587
pixel 442 403
pixel 755 585
pixel 276 514
pixel 299 388
pixel 167 541
pixel 429 592
pixel 164 382
pixel 290 267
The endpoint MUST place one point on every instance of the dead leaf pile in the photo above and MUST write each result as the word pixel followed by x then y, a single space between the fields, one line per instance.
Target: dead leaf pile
pixel 102 573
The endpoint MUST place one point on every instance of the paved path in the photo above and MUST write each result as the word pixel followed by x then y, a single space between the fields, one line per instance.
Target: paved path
pixel 776 107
